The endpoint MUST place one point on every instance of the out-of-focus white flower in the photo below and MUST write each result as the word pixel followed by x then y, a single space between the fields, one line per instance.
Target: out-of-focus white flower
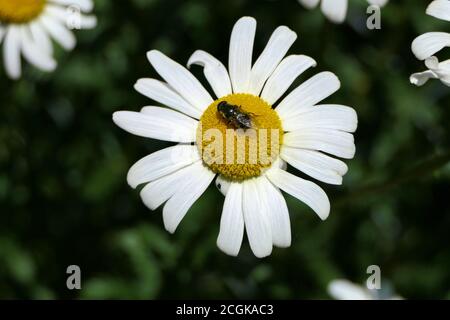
pixel 342 289
pixel 427 45
pixel 27 28
pixel 336 10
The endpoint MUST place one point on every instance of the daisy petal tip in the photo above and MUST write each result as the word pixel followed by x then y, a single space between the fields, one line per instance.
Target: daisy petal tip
pixel 168 225
pixel 233 252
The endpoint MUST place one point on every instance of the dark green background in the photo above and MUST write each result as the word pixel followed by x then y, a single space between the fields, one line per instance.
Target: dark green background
pixel 63 193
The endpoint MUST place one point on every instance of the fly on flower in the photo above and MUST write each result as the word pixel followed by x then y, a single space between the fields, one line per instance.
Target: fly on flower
pixel 234 115
pixel 306 134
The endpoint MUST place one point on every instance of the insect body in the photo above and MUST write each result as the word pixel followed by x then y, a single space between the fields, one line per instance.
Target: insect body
pixel 234 115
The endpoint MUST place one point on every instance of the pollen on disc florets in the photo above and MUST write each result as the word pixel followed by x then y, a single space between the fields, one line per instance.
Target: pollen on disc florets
pixel 20 11
pixel 240 153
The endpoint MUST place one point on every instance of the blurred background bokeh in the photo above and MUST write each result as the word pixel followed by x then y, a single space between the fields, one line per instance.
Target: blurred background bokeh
pixel 64 198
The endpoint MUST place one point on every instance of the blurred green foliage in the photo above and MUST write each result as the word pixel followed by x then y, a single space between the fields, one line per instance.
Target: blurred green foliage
pixel 64 198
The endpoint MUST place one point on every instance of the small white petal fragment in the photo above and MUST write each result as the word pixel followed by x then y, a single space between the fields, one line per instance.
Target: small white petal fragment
pixel 310 4
pixel 161 163
pixel 275 50
pixel 257 222
pixel 380 3
pixel 187 193
pixel 439 9
pixel 215 72
pixel 427 44
pixel 180 79
pixel 241 51
pixel 284 75
pixel 308 94
pixel 232 221
pixel 437 70
pixel 346 290
pixel 306 191
pixel 335 10
pixel 157 123
pixel 85 5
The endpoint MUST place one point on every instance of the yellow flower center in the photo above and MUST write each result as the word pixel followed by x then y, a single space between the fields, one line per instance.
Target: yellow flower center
pixel 20 11
pixel 233 148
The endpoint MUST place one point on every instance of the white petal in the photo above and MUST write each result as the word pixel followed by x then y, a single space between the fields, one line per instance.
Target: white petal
pixel 420 78
pixel 439 9
pixel 345 290
pixel 41 37
pixel 2 33
pixel 284 75
pixel 308 94
pixel 58 31
pixel 306 191
pixel 336 117
pixel 335 10
pixel 315 164
pixel 338 143
pixel 215 72
pixel 161 163
pixel 158 123
pixel 189 190
pixel 278 214
pixel 66 17
pixel 33 54
pixel 241 50
pixel 161 92
pixel 427 44
pixel 159 191
pixel 257 222
pixel 85 5
pixel 11 52
pixel 380 3
pixel 180 79
pixel 223 185
pixel 232 221
pixel 310 4
pixel 277 47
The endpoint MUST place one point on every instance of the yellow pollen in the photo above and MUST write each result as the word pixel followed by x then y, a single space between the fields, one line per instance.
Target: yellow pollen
pixel 240 153
pixel 20 11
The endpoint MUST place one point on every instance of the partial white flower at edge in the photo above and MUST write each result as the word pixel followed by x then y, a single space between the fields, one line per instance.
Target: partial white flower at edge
pixel 28 27
pixel 427 45
pixel 178 176
pixel 336 10
pixel 342 289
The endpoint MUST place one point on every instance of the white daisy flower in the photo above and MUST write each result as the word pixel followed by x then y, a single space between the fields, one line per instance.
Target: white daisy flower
pixel 336 10
pixel 427 45
pixel 305 134
pixel 342 289
pixel 27 27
